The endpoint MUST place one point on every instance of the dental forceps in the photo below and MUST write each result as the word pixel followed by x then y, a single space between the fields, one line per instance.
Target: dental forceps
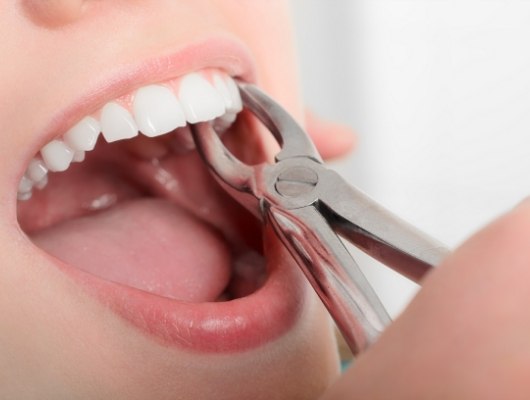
pixel 309 206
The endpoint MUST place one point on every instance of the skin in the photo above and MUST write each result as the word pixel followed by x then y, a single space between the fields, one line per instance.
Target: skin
pixel 464 336
pixel 55 340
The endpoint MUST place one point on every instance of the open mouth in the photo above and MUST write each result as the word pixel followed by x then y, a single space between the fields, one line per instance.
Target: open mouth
pixel 123 203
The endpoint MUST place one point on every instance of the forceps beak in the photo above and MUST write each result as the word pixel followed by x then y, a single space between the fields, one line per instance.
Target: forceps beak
pixel 238 178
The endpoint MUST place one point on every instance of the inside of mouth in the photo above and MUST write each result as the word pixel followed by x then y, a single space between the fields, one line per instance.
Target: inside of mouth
pixel 146 213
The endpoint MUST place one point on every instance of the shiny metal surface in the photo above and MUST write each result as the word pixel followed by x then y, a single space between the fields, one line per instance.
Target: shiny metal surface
pixel 309 205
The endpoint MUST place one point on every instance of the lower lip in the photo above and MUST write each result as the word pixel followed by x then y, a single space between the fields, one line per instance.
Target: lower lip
pixel 217 327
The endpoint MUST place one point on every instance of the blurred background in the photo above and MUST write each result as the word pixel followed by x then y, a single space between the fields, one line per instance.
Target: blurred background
pixel 439 93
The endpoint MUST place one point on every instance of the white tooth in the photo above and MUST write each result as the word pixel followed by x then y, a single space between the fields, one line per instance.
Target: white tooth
pixel 57 156
pixel 200 100
pixel 84 135
pixel 42 183
pixel 117 123
pixel 222 123
pixel 157 110
pixel 25 185
pixel 234 94
pixel 23 196
pixel 220 84
pixel 229 117
pixel 79 156
pixel 36 170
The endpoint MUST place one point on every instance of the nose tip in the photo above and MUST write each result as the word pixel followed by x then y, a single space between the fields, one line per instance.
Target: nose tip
pixel 53 13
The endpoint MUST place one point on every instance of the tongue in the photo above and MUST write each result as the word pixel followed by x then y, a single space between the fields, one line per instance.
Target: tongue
pixel 149 244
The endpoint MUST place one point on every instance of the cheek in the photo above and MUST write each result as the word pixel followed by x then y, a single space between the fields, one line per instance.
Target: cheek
pixel 271 41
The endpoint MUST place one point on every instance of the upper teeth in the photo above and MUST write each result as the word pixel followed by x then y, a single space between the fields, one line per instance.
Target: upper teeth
pixel 157 110
pixel 153 111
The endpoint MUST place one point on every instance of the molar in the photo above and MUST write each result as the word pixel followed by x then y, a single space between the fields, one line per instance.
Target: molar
pixel 36 176
pixel 25 188
pixel 42 183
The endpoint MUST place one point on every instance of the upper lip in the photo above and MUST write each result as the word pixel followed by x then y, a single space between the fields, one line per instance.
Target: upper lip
pixel 223 52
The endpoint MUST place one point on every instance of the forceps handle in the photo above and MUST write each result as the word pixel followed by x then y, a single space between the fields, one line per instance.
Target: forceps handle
pixel 333 273
pixel 377 231
pixel 309 212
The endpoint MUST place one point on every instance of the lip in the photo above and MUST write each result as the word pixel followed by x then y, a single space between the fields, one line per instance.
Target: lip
pixel 217 327
pixel 222 51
